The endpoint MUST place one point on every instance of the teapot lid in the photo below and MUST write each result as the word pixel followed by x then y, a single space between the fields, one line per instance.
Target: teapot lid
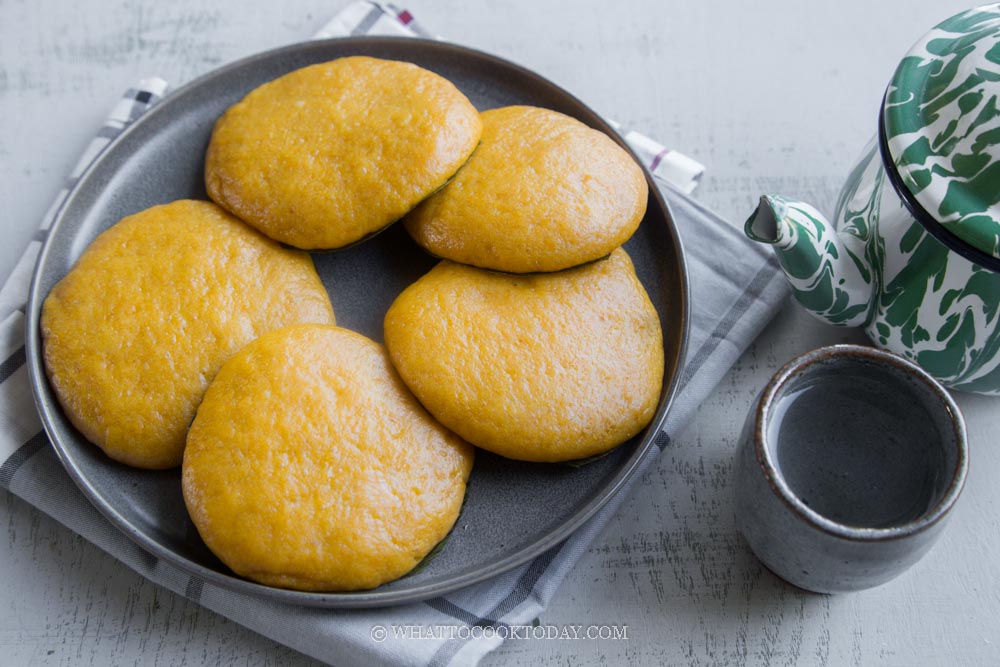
pixel 941 127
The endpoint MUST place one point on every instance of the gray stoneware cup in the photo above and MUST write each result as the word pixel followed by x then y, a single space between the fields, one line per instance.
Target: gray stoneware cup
pixel 847 469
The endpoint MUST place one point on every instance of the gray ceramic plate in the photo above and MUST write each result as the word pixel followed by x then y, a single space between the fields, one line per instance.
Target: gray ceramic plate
pixel 514 511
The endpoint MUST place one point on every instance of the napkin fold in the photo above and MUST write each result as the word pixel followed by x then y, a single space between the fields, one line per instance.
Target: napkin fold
pixel 735 291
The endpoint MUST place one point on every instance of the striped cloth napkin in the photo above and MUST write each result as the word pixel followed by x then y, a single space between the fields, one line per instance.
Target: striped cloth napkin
pixel 735 291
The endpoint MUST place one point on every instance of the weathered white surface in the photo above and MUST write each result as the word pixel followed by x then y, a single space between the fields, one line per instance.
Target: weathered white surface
pixel 772 96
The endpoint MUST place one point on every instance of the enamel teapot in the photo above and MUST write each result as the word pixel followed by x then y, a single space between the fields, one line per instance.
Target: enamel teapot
pixel 914 253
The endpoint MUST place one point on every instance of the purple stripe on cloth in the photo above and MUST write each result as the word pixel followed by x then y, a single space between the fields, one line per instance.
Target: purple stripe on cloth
pixel 656 160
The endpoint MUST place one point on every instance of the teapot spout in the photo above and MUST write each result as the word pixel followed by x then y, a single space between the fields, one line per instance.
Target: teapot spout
pixel 828 272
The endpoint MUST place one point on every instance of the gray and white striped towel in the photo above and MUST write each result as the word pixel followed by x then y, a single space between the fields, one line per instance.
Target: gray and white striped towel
pixel 735 291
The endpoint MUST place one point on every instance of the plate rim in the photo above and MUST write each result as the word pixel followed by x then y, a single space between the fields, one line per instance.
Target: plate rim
pixel 372 597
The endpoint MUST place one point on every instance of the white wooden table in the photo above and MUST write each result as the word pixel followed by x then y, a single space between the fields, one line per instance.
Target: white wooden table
pixel 777 95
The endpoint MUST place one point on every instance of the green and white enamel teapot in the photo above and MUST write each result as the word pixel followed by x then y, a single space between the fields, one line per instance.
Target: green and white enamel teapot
pixel 915 258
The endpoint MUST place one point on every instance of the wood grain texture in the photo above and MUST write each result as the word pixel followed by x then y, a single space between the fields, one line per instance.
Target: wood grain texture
pixel 776 96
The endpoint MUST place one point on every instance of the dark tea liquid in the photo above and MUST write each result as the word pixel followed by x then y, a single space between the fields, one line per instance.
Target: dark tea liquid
pixel 860 451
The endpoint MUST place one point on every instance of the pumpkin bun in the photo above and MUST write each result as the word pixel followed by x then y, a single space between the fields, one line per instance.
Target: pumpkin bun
pixel 328 154
pixel 311 466
pixel 543 367
pixel 134 333
pixel 543 192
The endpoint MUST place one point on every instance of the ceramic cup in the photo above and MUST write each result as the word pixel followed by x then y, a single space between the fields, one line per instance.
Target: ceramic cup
pixel 848 467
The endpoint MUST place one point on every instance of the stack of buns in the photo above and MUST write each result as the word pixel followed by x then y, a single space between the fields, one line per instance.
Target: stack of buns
pixel 312 457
